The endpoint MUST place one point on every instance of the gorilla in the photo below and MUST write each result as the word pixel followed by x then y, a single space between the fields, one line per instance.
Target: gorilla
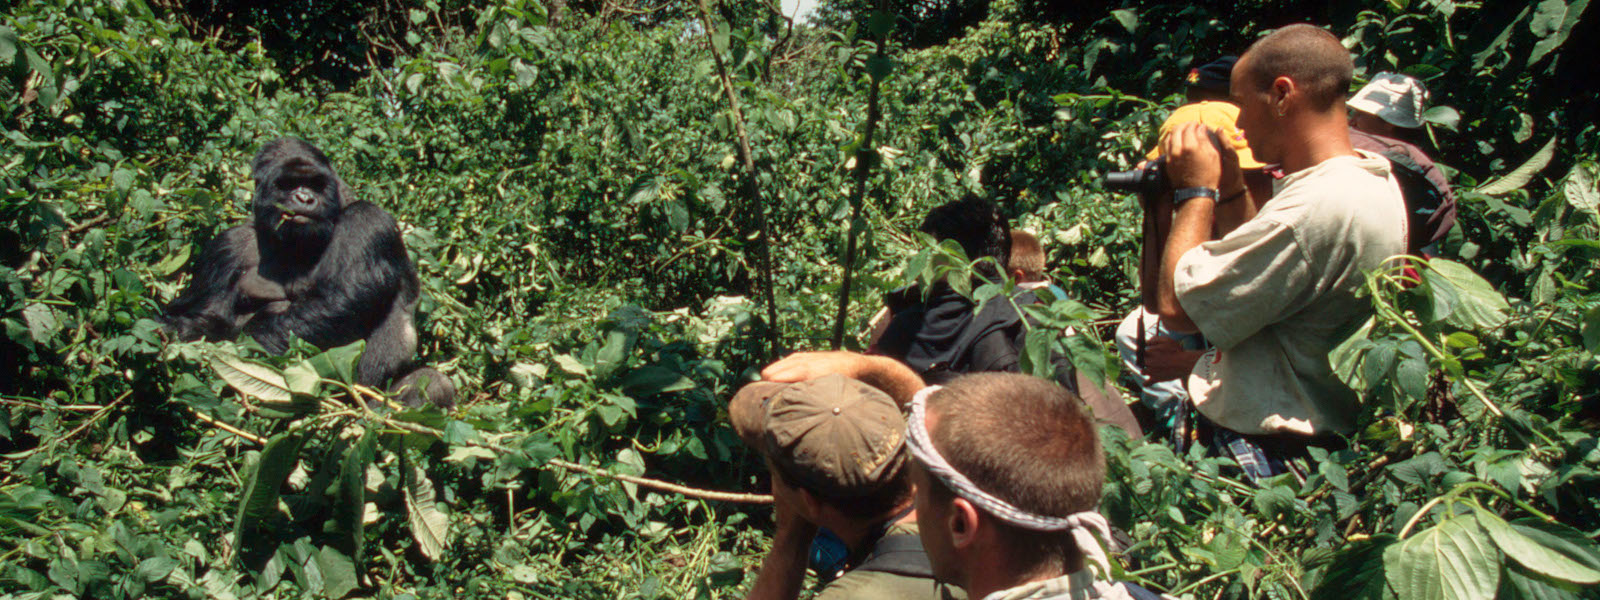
pixel 317 264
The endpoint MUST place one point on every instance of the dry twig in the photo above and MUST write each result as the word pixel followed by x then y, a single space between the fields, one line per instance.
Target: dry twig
pixel 655 484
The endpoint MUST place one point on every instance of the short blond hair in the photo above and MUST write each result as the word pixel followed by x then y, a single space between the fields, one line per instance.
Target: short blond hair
pixel 1027 255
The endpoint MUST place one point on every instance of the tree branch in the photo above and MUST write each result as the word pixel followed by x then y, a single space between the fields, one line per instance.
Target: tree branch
pixel 748 184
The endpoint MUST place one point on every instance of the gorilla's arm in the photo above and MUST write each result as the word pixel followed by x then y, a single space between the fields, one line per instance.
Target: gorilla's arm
pixel 364 287
pixel 210 306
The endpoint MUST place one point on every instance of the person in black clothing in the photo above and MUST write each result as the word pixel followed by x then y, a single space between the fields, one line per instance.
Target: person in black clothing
pixel 939 335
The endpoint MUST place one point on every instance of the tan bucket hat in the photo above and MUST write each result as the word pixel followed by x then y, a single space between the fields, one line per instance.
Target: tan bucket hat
pixel 1395 98
pixel 836 436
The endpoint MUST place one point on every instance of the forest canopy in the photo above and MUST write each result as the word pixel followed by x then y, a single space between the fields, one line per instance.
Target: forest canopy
pixel 608 248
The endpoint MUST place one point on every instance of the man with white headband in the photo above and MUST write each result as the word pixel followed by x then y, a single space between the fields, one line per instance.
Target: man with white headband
pixel 1007 471
pixel 1008 474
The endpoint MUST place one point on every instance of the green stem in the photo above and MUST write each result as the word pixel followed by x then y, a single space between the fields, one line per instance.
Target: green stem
pixel 1412 522
pixel 1155 569
pixel 1213 577
pixel 1393 315
pixel 1454 494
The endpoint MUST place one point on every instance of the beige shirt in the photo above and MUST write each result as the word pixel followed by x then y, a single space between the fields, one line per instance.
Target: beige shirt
pixel 1278 293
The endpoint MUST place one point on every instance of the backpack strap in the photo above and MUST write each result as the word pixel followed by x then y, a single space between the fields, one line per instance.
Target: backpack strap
pixel 900 554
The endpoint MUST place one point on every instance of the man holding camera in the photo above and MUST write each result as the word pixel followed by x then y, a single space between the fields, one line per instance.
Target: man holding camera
pixel 1275 294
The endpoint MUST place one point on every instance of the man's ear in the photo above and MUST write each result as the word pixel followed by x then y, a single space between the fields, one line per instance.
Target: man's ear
pixel 809 503
pixel 964 524
pixel 1281 89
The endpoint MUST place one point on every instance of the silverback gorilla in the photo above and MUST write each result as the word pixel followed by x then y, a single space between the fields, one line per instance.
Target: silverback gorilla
pixel 317 264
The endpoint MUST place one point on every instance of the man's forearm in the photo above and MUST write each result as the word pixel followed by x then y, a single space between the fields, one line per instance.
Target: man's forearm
pixel 783 570
pixel 888 375
pixel 1190 228
pixel 891 376
pixel 1235 212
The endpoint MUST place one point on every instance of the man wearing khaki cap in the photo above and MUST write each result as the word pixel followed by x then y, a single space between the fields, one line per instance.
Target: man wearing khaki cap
pixel 835 447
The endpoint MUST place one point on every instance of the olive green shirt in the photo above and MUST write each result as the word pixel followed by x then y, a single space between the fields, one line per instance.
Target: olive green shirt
pixel 875 585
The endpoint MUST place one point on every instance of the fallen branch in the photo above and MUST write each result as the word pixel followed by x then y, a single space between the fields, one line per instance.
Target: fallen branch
pixel 89 224
pixel 228 428
pixel 663 485
pixel 654 484
pixel 598 472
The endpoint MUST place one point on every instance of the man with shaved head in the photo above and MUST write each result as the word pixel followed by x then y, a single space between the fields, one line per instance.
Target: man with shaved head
pixel 1277 293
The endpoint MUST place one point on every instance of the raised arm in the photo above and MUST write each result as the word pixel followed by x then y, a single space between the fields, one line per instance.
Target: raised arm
pixel 1192 161
pixel 889 375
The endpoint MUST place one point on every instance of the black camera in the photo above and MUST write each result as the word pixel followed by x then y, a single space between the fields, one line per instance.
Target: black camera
pixel 1149 180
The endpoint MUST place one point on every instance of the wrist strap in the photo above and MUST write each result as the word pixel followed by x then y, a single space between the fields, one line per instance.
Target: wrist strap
pixel 1181 195
pixel 1234 196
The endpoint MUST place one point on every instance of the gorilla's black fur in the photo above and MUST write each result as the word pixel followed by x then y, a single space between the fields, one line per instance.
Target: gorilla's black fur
pixel 317 264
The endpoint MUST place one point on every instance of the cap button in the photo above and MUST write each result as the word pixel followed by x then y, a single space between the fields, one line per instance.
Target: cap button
pixel 836 410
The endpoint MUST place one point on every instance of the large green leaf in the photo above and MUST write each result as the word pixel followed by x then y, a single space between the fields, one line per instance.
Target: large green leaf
pixel 1523 174
pixel 259 502
pixel 1453 561
pixel 429 526
pixel 1463 298
pixel 650 380
pixel 1520 584
pixel 1533 555
pixel 351 499
pixel 250 379
pixel 1553 22
pixel 1568 541
pixel 8 46
pixel 338 573
pixel 1580 188
pixel 339 364
pixel 1591 330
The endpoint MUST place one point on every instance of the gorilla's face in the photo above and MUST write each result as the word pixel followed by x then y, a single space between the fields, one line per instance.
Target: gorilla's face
pixel 298 197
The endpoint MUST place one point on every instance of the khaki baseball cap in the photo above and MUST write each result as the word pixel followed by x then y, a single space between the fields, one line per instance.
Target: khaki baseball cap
pixel 836 436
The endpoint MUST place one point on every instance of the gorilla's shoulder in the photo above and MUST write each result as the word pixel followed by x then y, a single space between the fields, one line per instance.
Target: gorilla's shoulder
pixel 368 216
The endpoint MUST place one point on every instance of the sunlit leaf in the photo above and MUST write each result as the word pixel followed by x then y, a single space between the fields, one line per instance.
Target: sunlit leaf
pixel 1464 298
pixel 250 379
pixel 338 572
pixel 1533 555
pixel 429 526
pixel 1581 190
pixel 1454 561
pixel 1523 174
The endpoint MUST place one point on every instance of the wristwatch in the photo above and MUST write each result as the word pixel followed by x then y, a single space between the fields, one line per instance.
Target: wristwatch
pixel 1182 195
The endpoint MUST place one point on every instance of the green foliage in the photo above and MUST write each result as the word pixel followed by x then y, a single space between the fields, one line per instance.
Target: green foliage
pixel 567 186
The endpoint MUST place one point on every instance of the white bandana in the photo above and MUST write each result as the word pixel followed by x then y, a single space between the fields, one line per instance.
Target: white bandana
pixel 1080 524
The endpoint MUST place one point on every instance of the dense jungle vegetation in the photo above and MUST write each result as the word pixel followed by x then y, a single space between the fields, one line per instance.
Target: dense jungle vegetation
pixel 603 264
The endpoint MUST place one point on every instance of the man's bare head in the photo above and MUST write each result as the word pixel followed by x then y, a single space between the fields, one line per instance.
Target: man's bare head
pixel 1309 56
